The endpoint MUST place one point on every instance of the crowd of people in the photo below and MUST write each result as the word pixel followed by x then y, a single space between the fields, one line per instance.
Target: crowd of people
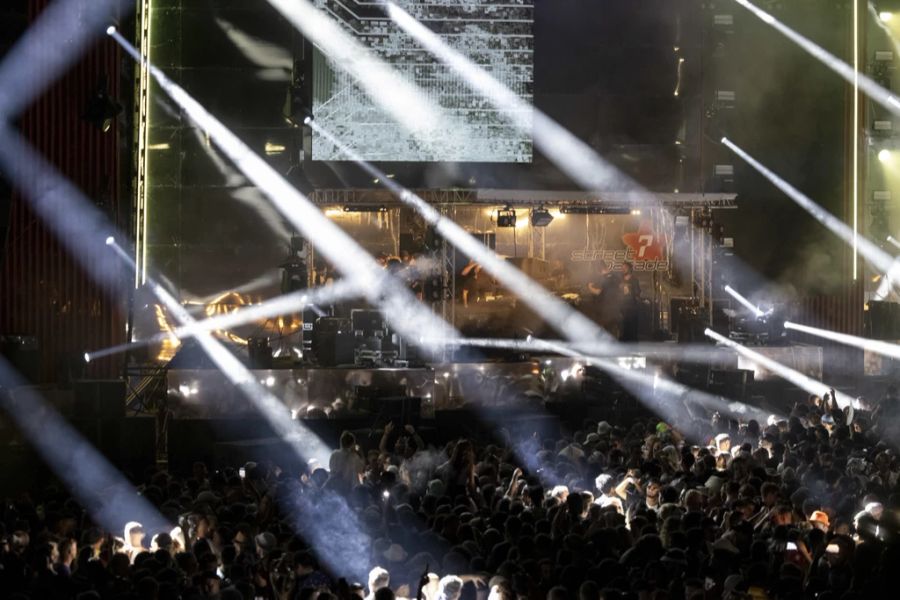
pixel 805 507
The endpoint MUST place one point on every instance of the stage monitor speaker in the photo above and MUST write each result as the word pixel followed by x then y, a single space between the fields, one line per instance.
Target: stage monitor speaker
pixel 333 342
pixel 730 383
pixel 191 355
pixel 369 321
pixel 883 320
pixel 369 397
pixel 22 352
pixel 402 410
pixel 687 321
pixel 99 398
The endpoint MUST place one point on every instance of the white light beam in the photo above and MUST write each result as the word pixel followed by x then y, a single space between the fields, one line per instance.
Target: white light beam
pixel 571 155
pixel 747 304
pixel 403 100
pixel 797 378
pixel 110 499
pixel 878 258
pixel 848 73
pixel 562 317
pixel 278 306
pixel 876 346
pixel 305 443
pixel 408 317
pixel 51 45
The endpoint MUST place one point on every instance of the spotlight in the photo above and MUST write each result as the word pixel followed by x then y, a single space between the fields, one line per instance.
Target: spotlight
pixel 296 109
pixel 744 301
pixel 110 241
pixel 87 357
pixel 540 217
pixel 886 16
pixel 111 30
pixel 884 155
pixel 506 217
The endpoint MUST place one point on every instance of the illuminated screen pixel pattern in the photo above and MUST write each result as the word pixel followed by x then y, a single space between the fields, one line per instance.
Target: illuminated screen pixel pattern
pixel 495 34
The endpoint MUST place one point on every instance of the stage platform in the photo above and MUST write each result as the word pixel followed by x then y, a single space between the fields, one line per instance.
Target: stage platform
pixel 805 359
pixel 311 392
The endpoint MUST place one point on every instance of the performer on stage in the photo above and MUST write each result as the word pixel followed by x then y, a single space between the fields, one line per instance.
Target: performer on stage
pixel 631 299
pixel 323 275
pixel 470 282
pixel 605 299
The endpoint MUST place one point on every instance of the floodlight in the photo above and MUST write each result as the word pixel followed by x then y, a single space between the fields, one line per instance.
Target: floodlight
pixel 506 217
pixel 540 217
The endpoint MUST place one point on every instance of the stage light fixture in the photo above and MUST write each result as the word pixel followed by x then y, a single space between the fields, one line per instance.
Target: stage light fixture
pixel 589 209
pixel 365 208
pixel 110 241
pixel 893 241
pixel 744 301
pixel 506 217
pixel 540 217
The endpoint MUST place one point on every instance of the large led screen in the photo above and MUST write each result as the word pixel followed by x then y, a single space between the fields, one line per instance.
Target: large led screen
pixel 498 36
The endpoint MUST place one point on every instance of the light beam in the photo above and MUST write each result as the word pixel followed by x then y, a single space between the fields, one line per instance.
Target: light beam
pixel 83 231
pixel 571 155
pixel 278 306
pixel 876 346
pixel 797 378
pixel 55 41
pixel 401 99
pixel 408 317
pixel 305 443
pixel 878 258
pixel 893 242
pixel 110 499
pixel 561 316
pixel 746 303
pixel 847 72
pixel 648 389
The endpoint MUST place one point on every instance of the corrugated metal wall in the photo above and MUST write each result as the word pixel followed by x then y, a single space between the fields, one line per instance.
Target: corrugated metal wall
pixel 42 290
pixel 841 312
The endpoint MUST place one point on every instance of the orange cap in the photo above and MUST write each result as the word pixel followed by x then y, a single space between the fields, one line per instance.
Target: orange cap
pixel 820 517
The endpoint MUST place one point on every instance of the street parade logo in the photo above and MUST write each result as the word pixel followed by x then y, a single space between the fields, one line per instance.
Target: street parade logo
pixel 643 248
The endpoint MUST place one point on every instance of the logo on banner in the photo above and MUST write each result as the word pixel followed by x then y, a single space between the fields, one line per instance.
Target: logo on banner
pixel 643 248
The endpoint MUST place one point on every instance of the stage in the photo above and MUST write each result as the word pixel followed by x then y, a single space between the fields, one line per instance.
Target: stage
pixel 320 393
